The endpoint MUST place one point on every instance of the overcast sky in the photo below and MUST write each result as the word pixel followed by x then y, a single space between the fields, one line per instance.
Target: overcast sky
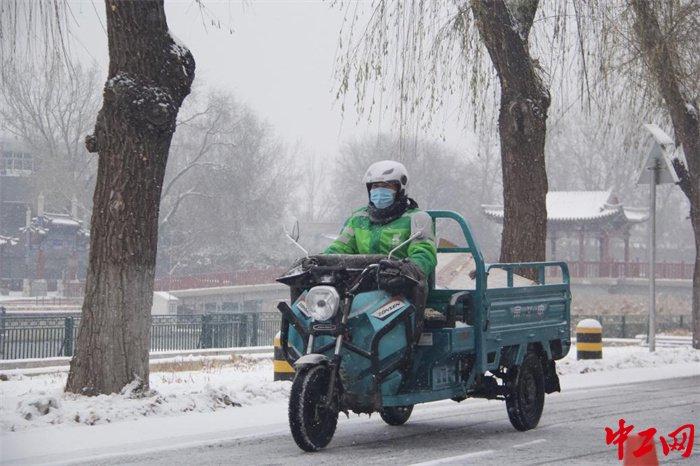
pixel 279 60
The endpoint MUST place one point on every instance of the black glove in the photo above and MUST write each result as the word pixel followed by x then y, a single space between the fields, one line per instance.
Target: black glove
pixel 308 262
pixel 397 276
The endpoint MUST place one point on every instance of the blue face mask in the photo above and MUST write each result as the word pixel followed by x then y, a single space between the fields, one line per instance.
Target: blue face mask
pixel 382 197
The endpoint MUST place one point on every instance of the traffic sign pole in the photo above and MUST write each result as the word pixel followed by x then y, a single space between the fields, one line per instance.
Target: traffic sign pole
pixel 654 173
pixel 661 171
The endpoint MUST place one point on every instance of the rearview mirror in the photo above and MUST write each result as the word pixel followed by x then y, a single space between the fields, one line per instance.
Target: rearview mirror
pixel 293 235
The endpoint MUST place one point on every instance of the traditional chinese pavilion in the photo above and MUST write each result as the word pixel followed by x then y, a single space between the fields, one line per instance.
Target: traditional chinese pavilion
pixel 50 247
pixel 55 244
pixel 584 215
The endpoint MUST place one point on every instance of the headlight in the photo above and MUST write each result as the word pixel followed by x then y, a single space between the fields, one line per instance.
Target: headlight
pixel 322 302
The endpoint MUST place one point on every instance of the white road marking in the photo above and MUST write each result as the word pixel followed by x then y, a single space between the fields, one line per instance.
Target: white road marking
pixel 527 444
pixel 453 459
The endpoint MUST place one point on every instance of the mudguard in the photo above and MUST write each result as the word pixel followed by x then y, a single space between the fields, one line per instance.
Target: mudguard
pixel 551 379
pixel 311 360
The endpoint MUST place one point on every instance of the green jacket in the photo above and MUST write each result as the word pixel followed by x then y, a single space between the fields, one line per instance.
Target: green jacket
pixel 360 236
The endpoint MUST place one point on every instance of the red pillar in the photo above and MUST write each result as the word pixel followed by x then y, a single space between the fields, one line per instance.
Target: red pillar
pixel 627 252
pixel 604 254
pixel 581 253
pixel 553 246
pixel 40 264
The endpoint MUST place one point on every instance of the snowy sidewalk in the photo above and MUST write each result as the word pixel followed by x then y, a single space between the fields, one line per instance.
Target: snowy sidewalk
pixel 202 407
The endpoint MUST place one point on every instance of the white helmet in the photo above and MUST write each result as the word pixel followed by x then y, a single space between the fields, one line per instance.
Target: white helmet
pixel 387 170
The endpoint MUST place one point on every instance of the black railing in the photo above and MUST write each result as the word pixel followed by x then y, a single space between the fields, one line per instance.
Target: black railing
pixel 53 336
pixel 627 326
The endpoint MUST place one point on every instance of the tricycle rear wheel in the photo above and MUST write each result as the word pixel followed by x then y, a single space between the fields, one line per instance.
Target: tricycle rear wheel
pixel 396 415
pixel 311 420
pixel 525 397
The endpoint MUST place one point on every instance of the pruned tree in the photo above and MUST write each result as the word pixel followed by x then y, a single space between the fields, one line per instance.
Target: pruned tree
pixel 150 74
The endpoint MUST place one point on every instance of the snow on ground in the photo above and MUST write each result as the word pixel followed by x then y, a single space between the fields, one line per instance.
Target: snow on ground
pixel 627 357
pixel 30 401
pixel 199 407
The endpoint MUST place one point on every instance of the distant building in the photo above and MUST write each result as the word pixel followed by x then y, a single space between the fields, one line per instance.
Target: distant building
pixel 47 246
pixel 164 303
pixel 55 246
pixel 583 217
pixel 16 170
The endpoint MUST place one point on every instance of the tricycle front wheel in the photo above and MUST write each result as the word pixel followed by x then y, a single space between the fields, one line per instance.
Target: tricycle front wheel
pixel 396 415
pixel 311 420
pixel 525 398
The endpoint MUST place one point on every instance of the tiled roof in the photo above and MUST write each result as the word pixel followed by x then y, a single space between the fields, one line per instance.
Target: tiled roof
pixel 8 240
pixel 576 206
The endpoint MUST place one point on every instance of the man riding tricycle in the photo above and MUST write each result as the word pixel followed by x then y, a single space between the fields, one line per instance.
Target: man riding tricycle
pixel 374 327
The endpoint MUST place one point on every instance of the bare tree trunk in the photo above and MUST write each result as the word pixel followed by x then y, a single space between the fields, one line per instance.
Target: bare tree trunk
pixel 522 126
pixel 149 77
pixel 662 59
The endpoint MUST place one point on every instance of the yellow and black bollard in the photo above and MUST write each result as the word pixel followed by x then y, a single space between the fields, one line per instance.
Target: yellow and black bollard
pixel 283 371
pixel 589 339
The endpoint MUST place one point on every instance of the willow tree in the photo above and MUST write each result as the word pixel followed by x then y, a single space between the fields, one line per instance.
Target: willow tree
pixel 431 54
pixel 646 53
pixel 150 74
pixel 667 35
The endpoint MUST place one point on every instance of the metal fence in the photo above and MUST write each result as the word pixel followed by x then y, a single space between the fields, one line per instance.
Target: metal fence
pixel 627 326
pixel 620 269
pixel 52 336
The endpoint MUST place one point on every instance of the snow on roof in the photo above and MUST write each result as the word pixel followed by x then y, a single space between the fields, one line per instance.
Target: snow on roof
pixel 569 206
pixel 43 224
pixel 165 295
pixel 62 220
pixel 7 240
pixel 636 214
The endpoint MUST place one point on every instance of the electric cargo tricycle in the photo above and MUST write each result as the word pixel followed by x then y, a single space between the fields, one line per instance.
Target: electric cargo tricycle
pixel 355 347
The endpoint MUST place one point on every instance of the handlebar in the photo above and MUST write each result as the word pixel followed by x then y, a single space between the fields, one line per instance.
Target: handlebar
pixel 360 278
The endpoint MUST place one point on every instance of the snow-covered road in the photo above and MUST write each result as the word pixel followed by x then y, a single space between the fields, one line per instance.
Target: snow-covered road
pixel 193 418
pixel 571 432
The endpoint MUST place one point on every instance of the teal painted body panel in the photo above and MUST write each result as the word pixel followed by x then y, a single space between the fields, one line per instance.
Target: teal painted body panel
pixel 537 314
pixel 437 367
pixel 371 312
